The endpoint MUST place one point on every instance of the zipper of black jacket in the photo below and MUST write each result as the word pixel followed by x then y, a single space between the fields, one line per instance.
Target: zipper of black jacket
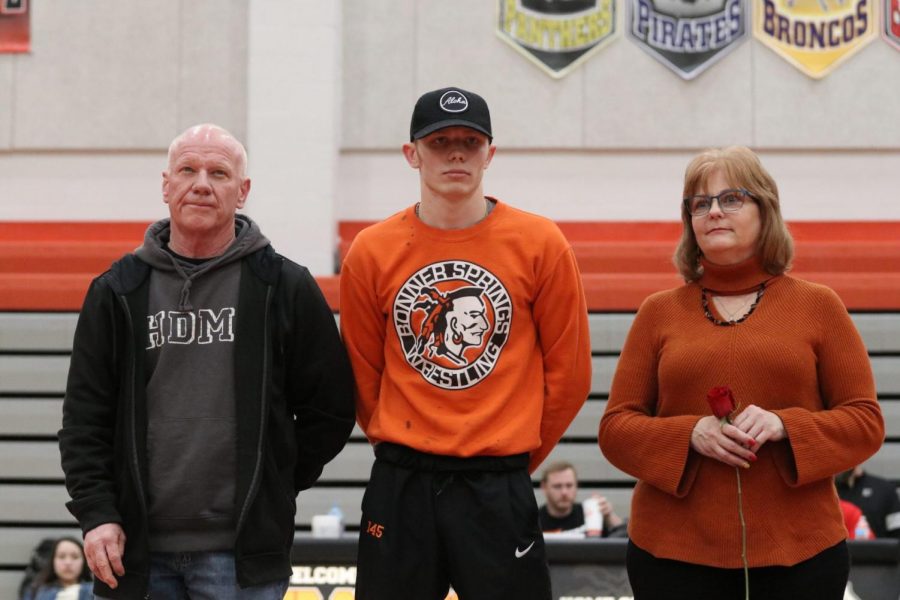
pixel 254 482
pixel 134 451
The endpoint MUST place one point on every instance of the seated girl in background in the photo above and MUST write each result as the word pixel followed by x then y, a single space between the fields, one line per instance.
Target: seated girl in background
pixel 65 577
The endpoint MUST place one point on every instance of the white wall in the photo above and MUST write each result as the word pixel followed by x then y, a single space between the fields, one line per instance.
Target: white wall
pixel 293 126
pixel 631 185
pixel 321 92
pixel 620 98
pixel 124 74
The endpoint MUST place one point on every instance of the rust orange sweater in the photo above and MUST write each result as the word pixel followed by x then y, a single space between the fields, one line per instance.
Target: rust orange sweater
pixel 466 342
pixel 797 355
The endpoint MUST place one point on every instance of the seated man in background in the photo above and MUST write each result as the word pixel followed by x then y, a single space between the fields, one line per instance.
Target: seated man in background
pixel 561 514
pixel 877 497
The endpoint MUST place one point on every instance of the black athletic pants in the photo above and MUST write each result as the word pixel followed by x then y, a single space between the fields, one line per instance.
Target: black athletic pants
pixel 429 522
pixel 822 577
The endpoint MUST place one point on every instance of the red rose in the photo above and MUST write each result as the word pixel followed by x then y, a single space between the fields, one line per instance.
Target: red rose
pixel 721 401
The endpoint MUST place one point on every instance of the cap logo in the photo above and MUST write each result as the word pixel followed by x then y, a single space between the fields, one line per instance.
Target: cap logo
pixel 454 102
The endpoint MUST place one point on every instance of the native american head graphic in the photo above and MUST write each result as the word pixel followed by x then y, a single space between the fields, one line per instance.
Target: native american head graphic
pixel 453 321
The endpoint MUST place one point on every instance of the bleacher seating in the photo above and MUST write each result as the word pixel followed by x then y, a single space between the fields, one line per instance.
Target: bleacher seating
pixel 34 362
pixel 40 288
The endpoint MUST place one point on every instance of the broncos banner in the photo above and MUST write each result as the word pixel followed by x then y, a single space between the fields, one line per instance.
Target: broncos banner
pixel 15 35
pixel 816 36
pixel 557 36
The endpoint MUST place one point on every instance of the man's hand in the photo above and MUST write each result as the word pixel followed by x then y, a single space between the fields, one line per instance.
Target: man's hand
pixel 104 546
pixel 610 518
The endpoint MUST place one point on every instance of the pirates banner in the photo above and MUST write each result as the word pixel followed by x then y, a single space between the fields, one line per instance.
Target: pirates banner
pixel 687 36
pixel 14 26
pixel 557 36
pixel 891 31
pixel 816 35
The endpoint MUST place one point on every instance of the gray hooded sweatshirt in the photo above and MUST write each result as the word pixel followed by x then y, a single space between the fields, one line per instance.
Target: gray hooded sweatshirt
pixel 191 437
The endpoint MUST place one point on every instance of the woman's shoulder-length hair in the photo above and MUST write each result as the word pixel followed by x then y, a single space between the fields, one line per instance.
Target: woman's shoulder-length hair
pixel 742 169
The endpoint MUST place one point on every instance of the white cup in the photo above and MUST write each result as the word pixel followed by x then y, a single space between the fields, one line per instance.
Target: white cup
pixel 326 526
pixel 593 519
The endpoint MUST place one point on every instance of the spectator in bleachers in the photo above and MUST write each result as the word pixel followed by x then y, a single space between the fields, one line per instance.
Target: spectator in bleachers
pixel 744 370
pixel 208 386
pixel 856 522
pixel 466 324
pixel 875 496
pixel 562 514
pixel 65 576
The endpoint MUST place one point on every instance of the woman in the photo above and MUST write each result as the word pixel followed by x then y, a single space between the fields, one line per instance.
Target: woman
pixel 805 396
pixel 65 577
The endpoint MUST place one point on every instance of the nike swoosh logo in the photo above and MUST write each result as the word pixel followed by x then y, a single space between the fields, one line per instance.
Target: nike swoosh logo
pixel 521 553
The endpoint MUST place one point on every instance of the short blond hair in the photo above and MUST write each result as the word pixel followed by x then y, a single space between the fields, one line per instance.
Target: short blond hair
pixel 742 169
pixel 557 467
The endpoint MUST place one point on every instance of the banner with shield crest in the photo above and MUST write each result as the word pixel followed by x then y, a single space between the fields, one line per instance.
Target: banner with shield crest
pixel 557 35
pixel 15 34
pixel 891 31
pixel 687 36
pixel 816 36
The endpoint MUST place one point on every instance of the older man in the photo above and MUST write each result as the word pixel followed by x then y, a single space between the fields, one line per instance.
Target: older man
pixel 207 387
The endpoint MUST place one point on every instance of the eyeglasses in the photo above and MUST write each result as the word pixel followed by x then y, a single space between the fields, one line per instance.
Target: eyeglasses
pixel 729 201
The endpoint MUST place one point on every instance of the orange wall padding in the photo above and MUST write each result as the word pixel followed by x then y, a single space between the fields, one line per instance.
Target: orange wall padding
pixel 48 265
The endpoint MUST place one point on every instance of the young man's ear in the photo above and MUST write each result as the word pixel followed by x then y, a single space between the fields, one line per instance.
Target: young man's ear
pixel 491 149
pixel 411 154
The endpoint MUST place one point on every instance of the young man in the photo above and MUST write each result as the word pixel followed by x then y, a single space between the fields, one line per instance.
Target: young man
pixel 466 325
pixel 561 513
pixel 208 385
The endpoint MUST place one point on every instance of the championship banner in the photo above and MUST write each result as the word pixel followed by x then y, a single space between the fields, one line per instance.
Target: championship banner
pixel 687 36
pixel 891 31
pixel 557 36
pixel 15 34
pixel 816 35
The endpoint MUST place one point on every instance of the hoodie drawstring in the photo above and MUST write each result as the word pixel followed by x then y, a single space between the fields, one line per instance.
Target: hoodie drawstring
pixel 185 302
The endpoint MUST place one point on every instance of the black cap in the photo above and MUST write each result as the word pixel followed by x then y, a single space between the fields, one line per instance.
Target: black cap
pixel 449 107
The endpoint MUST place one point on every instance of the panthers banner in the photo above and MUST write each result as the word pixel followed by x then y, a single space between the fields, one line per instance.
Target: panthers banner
pixel 816 35
pixel 687 36
pixel 15 34
pixel 557 36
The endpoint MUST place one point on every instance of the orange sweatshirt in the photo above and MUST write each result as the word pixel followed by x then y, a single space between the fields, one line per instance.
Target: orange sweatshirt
pixel 797 355
pixel 466 342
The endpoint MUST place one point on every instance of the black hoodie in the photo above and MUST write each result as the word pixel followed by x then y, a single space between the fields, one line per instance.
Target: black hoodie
pixel 293 390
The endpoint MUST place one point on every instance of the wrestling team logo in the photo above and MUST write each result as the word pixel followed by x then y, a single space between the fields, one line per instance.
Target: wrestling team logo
pixel 557 35
pixel 891 30
pixel 687 35
pixel 452 318
pixel 816 35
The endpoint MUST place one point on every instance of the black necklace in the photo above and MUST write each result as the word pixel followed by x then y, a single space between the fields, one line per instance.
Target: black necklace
pixel 704 297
